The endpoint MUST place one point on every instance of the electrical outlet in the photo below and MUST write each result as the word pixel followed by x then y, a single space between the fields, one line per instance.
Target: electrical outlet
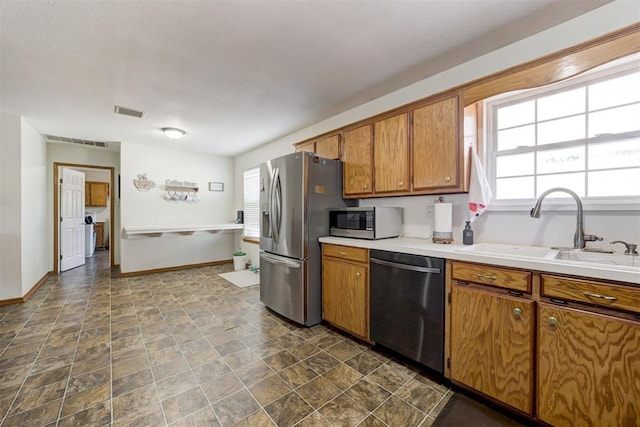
pixel 429 211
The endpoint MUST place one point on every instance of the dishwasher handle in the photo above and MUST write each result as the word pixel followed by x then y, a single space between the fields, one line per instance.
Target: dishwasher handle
pixel 405 266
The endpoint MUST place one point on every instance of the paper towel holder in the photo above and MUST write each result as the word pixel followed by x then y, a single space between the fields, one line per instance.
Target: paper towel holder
pixel 440 236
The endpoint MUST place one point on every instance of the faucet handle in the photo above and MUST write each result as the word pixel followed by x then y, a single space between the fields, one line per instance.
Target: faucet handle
pixel 592 238
pixel 631 248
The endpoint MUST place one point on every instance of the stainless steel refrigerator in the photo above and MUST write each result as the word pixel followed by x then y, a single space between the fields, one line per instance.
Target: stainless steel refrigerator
pixel 296 193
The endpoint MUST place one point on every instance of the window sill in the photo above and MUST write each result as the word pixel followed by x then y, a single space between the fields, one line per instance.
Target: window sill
pixel 560 205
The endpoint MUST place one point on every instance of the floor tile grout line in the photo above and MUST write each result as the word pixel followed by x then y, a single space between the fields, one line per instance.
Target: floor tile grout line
pixel 64 396
pixel 7 415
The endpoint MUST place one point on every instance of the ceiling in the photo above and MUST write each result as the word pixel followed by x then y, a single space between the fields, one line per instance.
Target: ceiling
pixel 236 74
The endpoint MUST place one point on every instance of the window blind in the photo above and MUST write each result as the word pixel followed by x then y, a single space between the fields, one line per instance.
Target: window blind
pixel 252 203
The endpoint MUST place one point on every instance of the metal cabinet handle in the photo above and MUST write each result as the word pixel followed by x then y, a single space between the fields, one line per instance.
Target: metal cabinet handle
pixel 447 179
pixel 604 297
pixel 517 312
pixel 357 274
pixel 486 276
pixel 366 186
pixel 400 184
pixel 552 321
pixel 342 253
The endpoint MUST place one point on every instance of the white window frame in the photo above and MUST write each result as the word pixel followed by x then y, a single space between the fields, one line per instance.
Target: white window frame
pixel 251 203
pixel 615 203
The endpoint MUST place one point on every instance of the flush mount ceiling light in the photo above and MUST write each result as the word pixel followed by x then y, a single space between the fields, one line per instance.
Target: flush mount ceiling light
pixel 173 133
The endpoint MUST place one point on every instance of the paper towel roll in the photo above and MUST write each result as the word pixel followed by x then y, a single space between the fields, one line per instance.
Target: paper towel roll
pixel 442 213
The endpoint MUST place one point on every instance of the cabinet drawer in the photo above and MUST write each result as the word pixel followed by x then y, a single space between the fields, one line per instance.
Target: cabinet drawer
pixel 346 252
pixel 494 276
pixel 591 292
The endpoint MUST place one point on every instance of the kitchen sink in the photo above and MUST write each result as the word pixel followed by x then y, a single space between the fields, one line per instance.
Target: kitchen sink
pixel 510 250
pixel 599 258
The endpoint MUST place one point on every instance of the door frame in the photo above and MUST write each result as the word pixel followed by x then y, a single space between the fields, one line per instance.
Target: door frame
pixel 56 209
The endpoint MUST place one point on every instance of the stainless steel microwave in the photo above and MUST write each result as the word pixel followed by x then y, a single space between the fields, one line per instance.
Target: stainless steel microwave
pixel 366 222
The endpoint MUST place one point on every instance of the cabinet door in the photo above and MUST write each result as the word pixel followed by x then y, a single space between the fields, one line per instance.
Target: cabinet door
pixel 492 344
pixel 357 161
pixel 307 146
pixel 391 155
pixel 329 148
pixel 87 193
pixel 99 193
pixel 588 368
pixel 345 296
pixel 436 145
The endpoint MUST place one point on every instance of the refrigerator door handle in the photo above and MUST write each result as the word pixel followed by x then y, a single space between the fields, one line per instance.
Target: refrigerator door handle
pixel 278 260
pixel 272 231
pixel 275 205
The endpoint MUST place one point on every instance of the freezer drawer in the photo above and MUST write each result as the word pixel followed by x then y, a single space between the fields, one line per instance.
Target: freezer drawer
pixel 283 286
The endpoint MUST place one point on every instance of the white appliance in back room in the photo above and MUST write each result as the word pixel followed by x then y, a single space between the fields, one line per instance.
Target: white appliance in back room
pixel 89 234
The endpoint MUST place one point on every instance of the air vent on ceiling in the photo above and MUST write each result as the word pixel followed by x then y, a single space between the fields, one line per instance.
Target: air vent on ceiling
pixel 128 111
pixel 99 144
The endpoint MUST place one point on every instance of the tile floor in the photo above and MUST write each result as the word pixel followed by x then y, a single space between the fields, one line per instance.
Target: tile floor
pixel 189 348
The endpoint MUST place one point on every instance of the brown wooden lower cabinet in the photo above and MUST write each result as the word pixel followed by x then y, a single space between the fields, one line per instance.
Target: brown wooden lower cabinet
pixel 588 368
pixel 99 229
pixel 492 344
pixel 345 289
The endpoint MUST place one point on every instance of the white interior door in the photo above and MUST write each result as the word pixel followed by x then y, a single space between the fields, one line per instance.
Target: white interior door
pixel 71 219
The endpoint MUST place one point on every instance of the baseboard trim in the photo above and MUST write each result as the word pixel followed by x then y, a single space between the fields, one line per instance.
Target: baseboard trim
pixel 176 268
pixel 28 294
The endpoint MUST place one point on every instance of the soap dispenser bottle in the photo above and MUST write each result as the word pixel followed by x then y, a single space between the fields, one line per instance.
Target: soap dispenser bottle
pixel 467 234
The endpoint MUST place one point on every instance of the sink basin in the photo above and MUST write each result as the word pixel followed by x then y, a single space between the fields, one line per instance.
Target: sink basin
pixel 600 258
pixel 510 250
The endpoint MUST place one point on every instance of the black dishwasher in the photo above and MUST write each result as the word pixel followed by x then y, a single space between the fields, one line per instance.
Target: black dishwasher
pixel 407 305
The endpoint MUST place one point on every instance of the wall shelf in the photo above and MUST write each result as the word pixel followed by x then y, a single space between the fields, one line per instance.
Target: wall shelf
pixel 185 230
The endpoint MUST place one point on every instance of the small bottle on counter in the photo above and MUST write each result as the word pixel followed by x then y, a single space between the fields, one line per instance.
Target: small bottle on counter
pixel 467 234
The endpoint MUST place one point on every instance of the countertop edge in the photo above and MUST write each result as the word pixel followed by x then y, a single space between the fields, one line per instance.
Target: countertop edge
pixel 427 248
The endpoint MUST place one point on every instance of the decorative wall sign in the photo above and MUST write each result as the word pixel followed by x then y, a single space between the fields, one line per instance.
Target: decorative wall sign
pixel 216 186
pixel 185 191
pixel 143 183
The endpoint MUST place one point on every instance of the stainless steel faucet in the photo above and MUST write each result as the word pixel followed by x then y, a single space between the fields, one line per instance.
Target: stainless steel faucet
pixel 579 238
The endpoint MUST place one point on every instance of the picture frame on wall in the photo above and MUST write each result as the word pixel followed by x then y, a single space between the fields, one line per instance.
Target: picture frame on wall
pixel 216 186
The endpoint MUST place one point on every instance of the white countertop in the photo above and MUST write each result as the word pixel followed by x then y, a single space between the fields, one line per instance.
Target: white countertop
pixel 452 251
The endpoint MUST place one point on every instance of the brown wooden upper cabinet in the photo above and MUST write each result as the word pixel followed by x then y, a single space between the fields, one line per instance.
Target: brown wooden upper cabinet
pixel 328 147
pixel 356 155
pixel 96 193
pixel 436 154
pixel 391 154
pixel 307 146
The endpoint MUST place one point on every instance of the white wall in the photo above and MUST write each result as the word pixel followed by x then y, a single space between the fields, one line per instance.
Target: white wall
pixel 10 215
pixel 34 251
pixel 149 208
pixel 516 227
pixel 63 153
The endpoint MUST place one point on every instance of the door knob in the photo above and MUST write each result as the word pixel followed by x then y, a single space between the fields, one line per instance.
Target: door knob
pixel 552 321
pixel 447 179
pixel 517 312
pixel 358 274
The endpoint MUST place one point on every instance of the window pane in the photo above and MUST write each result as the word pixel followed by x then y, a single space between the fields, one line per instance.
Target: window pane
pixel 618 91
pixel 616 120
pixel 523 136
pixel 515 188
pixel 615 154
pixel 562 104
pixel 561 130
pixel 621 182
pixel 514 165
pixel 562 160
pixel 517 114
pixel 252 203
pixel 572 181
